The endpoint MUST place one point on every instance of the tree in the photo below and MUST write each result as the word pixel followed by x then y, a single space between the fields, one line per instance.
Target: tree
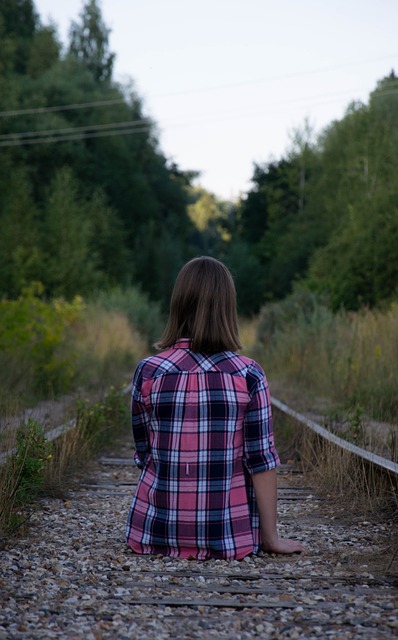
pixel 248 275
pixel 69 264
pixel 44 52
pixel 358 263
pixel 20 254
pixel 18 24
pixel 89 42
pixel 210 219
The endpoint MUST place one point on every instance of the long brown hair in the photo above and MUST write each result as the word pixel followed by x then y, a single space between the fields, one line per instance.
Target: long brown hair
pixel 203 308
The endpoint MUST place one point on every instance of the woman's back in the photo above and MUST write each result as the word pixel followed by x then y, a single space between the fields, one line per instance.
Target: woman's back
pixel 202 426
pixel 203 432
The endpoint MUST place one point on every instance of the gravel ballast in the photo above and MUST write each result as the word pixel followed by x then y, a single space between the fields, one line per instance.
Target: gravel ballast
pixel 72 575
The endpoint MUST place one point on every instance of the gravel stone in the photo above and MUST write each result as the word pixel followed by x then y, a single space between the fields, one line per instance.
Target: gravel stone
pixel 73 576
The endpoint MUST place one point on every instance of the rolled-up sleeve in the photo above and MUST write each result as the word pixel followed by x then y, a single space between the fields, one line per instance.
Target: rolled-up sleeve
pixel 140 419
pixel 259 449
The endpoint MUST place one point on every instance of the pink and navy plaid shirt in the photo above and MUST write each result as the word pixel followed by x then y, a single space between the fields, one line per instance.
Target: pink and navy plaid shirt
pixel 202 425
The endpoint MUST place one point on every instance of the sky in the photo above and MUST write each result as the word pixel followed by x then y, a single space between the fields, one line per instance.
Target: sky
pixel 229 81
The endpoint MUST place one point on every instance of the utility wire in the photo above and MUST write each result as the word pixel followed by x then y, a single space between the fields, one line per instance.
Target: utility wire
pixel 63 107
pixel 131 123
pixel 77 136
pixel 132 126
pixel 93 127
pixel 104 103
pixel 148 121
pixel 287 76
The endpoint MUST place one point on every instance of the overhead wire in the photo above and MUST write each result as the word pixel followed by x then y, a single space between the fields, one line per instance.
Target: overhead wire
pixel 109 102
pixel 90 127
pixel 94 131
pixel 77 136
pixel 63 107
pixel 287 76
pixel 142 125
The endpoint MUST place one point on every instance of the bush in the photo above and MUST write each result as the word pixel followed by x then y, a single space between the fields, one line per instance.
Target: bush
pixel 22 475
pixel 37 467
pixel 143 314
pixel 351 358
pixel 32 334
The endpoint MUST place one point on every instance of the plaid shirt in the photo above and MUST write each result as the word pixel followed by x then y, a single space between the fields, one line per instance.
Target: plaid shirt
pixel 202 425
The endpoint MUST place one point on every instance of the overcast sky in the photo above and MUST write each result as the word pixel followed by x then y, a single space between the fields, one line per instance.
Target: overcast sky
pixel 227 81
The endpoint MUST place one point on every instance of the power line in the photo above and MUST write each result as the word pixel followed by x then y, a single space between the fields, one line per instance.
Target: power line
pixel 130 123
pixel 135 126
pixel 63 107
pixel 93 127
pixel 104 103
pixel 287 76
pixel 77 136
pixel 147 121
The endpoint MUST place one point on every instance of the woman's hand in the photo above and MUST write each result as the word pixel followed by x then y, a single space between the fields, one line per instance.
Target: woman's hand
pixel 265 489
pixel 283 545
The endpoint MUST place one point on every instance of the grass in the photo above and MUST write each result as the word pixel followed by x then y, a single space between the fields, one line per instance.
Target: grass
pixel 349 358
pixel 59 352
pixel 248 333
pixel 49 348
pixel 38 468
pixel 107 345
pixel 142 314
pixel 337 474
pixel 342 367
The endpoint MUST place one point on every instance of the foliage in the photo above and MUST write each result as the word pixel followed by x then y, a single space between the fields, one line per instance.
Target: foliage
pixel 18 24
pixel 33 334
pixel 85 212
pixel 53 347
pixel 248 276
pixel 96 210
pixel 99 422
pixel 31 456
pixel 142 313
pixel 22 476
pixel 37 467
pixel 327 212
pixel 89 42
pixel 210 217
pixel 351 358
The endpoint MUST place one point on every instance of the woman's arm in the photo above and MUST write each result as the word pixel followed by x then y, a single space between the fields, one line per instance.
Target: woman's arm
pixel 265 489
pixel 140 420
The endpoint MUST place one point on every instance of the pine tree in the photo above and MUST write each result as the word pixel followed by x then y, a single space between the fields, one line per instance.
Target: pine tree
pixel 89 42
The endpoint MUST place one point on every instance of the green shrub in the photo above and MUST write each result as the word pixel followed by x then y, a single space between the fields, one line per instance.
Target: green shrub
pixel 37 467
pixel 350 358
pixel 22 475
pixel 32 335
pixel 98 423
pixel 143 314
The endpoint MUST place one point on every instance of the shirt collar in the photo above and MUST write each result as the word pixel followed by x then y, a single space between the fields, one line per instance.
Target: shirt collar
pixel 182 343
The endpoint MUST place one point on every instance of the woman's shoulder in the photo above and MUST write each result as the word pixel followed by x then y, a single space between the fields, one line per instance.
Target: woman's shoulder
pixel 156 364
pixel 251 365
pixel 238 364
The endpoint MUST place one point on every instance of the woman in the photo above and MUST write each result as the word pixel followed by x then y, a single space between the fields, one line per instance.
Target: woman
pixel 202 426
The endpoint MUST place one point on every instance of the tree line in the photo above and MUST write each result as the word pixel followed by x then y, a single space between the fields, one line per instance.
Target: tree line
pixel 325 216
pixel 101 206
pixel 90 210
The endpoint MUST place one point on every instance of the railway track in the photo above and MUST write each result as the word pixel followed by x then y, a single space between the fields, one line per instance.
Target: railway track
pixel 72 576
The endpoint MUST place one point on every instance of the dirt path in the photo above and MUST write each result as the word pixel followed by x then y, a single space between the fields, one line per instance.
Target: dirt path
pixel 73 577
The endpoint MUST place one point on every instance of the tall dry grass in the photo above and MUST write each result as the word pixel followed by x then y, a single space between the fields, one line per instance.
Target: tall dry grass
pixel 248 333
pixel 107 347
pixel 349 358
pixel 96 347
pixel 49 348
pixel 337 474
pixel 37 467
